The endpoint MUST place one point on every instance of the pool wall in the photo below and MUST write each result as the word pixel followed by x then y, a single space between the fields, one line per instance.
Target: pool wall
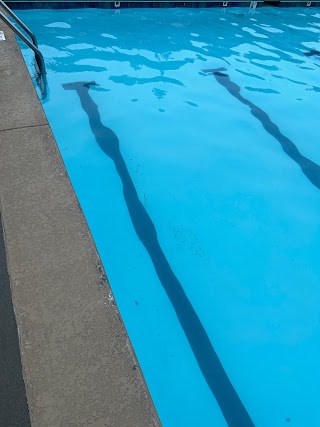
pixel 27 4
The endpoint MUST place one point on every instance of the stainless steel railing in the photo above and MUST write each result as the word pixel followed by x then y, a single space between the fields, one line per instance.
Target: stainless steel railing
pixel 33 44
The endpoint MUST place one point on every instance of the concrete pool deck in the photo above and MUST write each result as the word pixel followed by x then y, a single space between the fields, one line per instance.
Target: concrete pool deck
pixel 77 362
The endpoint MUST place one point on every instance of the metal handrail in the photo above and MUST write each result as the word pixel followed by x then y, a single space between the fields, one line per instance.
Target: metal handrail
pixel 18 21
pixel 33 45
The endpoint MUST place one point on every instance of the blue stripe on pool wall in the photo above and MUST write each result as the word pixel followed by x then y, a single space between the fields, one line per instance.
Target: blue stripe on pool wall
pixel 27 4
pixel 21 5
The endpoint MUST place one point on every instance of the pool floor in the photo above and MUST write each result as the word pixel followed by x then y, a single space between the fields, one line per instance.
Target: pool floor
pixel 190 137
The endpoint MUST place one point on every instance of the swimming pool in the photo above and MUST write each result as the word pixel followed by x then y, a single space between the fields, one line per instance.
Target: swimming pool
pixel 190 137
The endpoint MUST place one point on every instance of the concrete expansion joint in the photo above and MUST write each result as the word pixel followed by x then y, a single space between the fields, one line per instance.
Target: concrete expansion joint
pixel 22 127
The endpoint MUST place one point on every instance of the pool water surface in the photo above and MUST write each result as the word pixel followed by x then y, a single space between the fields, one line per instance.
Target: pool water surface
pixel 191 137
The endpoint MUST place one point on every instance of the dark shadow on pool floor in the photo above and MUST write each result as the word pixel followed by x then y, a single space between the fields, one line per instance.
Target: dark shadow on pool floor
pixel 217 379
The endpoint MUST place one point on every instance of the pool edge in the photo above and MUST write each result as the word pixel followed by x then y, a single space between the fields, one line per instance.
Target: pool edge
pixel 78 363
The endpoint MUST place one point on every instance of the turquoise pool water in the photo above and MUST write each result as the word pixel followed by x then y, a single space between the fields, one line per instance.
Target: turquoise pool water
pixel 191 138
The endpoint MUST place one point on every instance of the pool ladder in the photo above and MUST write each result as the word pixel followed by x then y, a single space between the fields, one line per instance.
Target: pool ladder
pixel 33 44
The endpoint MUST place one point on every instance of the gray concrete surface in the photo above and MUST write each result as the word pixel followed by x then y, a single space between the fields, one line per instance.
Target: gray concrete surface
pixel 78 364
pixel 13 401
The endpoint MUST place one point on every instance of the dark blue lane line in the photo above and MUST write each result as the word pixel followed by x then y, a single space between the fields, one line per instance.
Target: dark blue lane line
pixel 228 400
pixel 13 402
pixel 312 52
pixel 310 169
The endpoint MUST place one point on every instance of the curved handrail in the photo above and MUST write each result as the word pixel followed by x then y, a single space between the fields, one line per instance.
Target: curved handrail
pixel 34 47
pixel 18 21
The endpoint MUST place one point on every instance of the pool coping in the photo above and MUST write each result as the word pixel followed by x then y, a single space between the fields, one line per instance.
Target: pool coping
pixel 78 364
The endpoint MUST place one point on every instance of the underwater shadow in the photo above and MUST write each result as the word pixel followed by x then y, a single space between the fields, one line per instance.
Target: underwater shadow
pixel 217 379
pixel 310 169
